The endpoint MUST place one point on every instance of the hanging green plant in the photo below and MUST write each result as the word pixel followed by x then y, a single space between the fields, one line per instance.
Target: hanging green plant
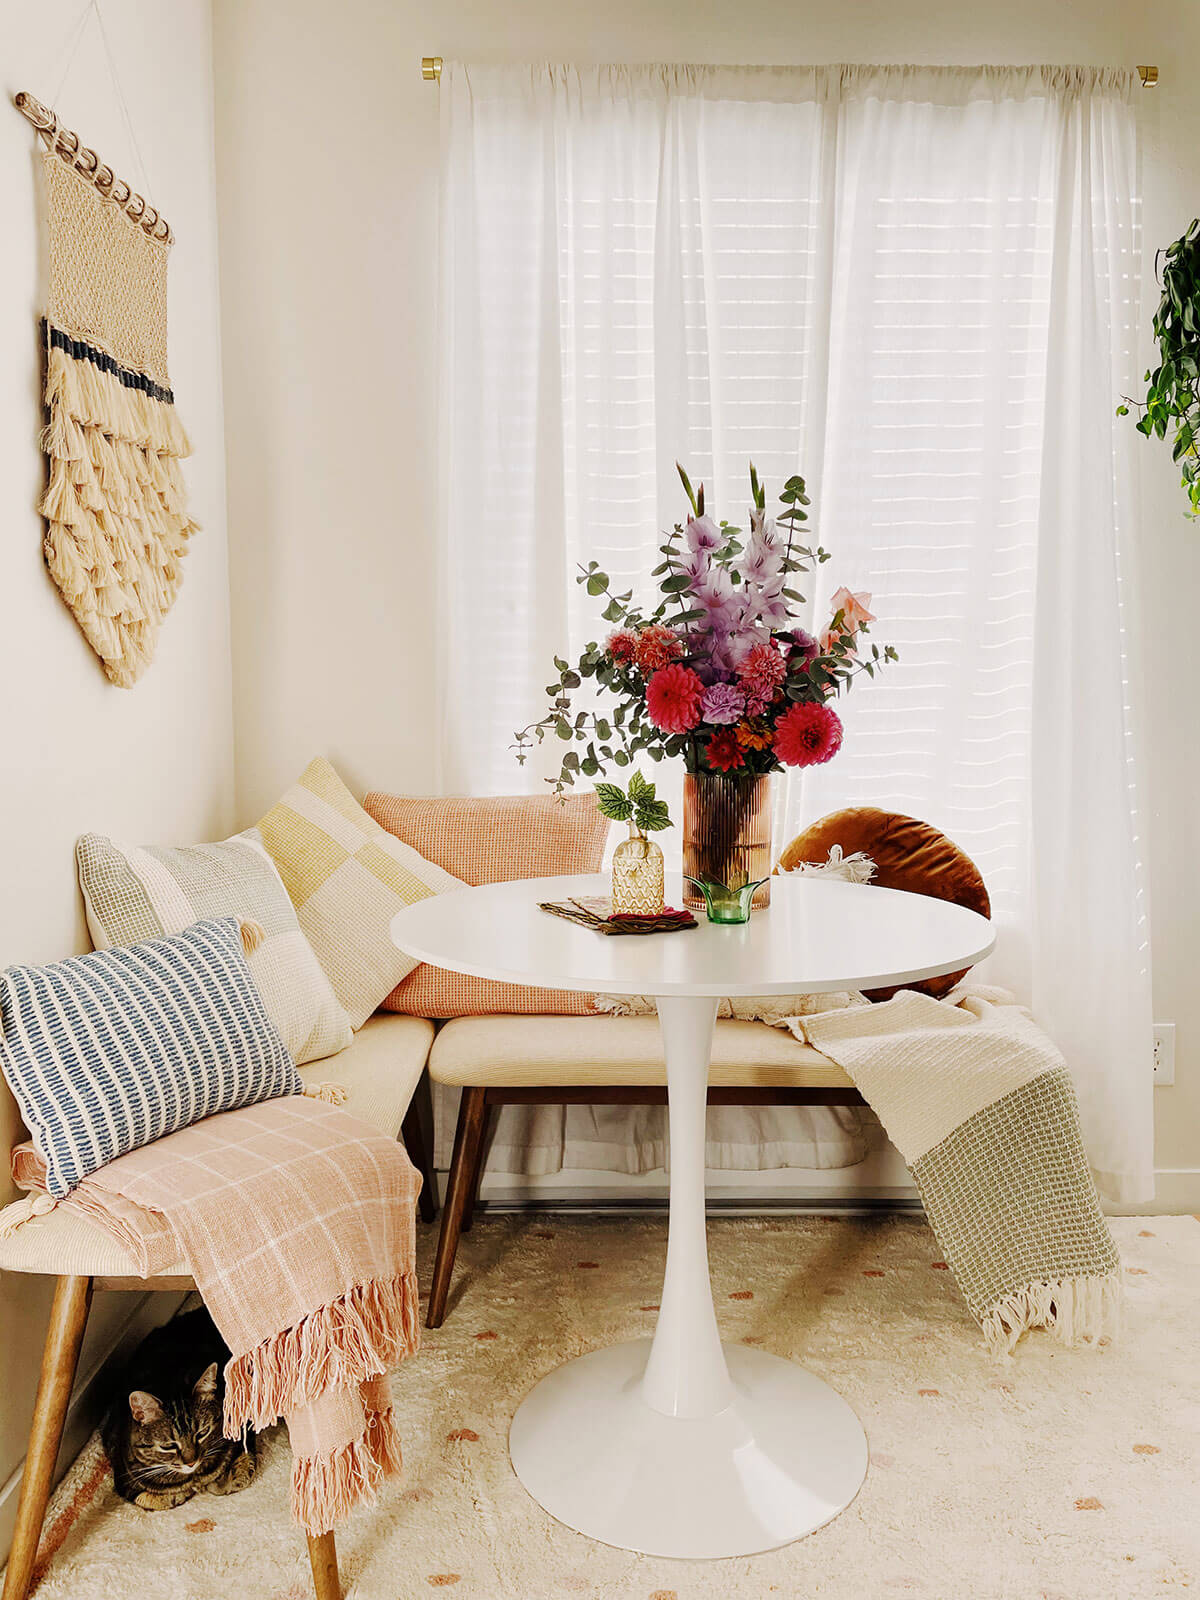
pixel 1173 392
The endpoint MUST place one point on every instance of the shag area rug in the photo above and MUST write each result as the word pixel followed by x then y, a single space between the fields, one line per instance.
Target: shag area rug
pixel 1058 1475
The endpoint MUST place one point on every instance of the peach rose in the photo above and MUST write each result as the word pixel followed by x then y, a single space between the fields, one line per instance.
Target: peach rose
pixel 855 614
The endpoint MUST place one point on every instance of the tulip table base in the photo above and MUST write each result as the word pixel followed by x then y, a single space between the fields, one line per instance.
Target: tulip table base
pixel 679 1446
pixel 783 1458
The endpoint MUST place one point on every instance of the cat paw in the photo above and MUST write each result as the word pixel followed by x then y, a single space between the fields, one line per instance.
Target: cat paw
pixel 162 1499
pixel 238 1476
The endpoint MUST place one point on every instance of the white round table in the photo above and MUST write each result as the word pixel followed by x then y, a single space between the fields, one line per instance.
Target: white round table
pixel 679 1446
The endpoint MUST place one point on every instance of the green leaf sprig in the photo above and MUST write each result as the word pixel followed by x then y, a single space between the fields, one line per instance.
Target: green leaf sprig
pixel 637 804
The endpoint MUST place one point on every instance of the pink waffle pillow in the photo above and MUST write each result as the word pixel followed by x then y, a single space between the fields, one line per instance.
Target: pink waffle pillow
pixel 491 840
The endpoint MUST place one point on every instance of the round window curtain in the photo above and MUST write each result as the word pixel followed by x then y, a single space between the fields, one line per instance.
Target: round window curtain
pixel 920 288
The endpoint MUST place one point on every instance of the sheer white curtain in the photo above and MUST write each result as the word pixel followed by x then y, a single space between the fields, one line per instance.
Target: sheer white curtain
pixel 916 286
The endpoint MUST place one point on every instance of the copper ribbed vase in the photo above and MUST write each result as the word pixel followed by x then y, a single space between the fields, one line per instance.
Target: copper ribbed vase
pixel 727 832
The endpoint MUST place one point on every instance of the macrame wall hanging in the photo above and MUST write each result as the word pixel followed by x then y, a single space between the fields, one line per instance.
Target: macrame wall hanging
pixel 115 502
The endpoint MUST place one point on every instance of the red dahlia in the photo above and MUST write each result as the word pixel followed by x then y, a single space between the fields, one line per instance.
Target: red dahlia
pixel 808 735
pixel 723 752
pixel 673 698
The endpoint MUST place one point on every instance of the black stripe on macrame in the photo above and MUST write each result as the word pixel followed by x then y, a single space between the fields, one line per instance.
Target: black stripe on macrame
pixel 79 351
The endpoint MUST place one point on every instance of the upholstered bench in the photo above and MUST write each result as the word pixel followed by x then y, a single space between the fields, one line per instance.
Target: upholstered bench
pixel 380 1072
pixel 543 1060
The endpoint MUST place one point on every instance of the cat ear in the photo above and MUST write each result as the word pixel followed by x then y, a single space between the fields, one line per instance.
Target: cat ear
pixel 206 1383
pixel 145 1407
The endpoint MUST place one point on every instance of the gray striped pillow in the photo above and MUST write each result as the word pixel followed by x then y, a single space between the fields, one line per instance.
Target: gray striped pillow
pixel 109 1051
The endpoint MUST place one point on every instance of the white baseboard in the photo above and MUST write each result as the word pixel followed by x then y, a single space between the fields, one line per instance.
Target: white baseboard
pixel 1176 1193
pixel 91 1395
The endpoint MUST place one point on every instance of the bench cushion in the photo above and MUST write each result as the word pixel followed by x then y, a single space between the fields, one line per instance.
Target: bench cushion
pixel 379 1072
pixel 574 1052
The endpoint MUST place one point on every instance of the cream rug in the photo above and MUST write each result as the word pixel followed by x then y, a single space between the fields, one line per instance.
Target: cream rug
pixel 1059 1475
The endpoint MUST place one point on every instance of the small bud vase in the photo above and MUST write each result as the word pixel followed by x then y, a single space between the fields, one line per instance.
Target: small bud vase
pixel 637 876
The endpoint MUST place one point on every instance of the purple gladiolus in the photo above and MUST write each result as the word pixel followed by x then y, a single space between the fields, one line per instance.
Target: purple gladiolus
pixel 723 702
pixel 703 535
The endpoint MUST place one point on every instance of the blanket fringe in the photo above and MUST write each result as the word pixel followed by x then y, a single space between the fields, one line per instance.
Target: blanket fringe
pixel 333 1094
pixel 1075 1311
pixel 24 1210
pixel 325 1489
pixel 358 1336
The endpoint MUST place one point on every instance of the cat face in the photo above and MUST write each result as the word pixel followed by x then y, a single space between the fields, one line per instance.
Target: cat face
pixel 172 1442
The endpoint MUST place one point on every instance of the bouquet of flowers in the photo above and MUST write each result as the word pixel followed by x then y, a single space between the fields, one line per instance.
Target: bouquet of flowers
pixel 719 671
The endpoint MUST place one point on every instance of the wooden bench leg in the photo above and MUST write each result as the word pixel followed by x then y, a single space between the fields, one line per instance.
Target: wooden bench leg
pixel 477 1173
pixel 60 1357
pixel 322 1556
pixel 417 1133
pixel 468 1136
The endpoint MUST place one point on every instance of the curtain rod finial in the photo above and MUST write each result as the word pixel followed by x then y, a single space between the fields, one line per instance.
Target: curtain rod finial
pixel 1149 77
pixel 431 68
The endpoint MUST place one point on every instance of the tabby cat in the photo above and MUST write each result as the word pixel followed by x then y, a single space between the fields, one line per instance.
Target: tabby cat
pixel 163 1436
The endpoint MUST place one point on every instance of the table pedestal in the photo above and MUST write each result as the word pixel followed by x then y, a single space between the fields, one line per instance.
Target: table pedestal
pixel 680 1446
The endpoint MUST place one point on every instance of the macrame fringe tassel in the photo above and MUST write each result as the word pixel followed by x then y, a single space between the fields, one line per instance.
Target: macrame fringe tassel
pixel 1076 1311
pixel 116 507
pixel 359 1335
pixel 325 1489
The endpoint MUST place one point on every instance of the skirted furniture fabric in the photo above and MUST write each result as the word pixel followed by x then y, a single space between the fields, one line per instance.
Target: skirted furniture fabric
pixel 380 1073
pixel 498 1061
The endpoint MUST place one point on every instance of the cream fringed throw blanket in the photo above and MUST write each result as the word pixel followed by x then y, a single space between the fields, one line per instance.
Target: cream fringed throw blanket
pixel 297 1223
pixel 981 1106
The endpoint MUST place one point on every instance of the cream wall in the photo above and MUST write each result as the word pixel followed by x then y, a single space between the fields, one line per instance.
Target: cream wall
pixel 154 762
pixel 327 159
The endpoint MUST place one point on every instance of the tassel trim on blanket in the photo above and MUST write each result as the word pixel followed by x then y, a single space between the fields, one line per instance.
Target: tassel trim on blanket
pixel 1076 1311
pixel 24 1210
pixel 358 1336
pixel 325 1489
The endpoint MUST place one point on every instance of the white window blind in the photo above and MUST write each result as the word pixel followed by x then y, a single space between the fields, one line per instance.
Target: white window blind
pixel 916 286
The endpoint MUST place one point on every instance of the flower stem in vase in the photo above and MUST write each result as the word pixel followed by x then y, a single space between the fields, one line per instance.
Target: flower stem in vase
pixel 727 833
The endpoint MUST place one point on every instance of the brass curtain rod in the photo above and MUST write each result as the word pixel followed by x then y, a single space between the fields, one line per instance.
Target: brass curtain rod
pixel 431 71
pixel 88 164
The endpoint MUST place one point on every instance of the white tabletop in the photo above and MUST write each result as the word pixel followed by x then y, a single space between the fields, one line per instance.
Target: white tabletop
pixel 815 936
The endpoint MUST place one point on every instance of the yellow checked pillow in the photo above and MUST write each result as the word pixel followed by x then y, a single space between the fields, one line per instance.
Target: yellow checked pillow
pixel 347 877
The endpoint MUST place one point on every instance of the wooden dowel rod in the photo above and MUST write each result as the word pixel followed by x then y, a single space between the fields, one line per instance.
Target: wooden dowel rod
pixel 88 164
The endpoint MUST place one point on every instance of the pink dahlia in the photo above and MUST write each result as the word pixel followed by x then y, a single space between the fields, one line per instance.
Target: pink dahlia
pixel 723 752
pixel 621 646
pixel 762 671
pixel 723 702
pixel 656 648
pixel 673 697
pixel 807 735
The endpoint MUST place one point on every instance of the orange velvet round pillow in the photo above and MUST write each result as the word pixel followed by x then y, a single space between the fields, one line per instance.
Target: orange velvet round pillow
pixel 908 855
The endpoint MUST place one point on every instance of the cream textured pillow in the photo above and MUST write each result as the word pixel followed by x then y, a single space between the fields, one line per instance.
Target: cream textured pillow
pixel 133 893
pixel 347 878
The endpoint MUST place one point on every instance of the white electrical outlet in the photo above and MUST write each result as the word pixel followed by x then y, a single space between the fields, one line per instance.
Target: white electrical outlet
pixel 1164 1053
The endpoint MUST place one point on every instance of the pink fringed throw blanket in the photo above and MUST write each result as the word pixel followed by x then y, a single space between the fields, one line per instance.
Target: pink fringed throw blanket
pixel 297 1223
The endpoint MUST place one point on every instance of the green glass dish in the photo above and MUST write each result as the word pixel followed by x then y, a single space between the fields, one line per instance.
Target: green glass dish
pixel 724 904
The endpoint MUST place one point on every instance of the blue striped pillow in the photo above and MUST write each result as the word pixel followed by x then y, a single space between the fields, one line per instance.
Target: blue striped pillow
pixel 109 1051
